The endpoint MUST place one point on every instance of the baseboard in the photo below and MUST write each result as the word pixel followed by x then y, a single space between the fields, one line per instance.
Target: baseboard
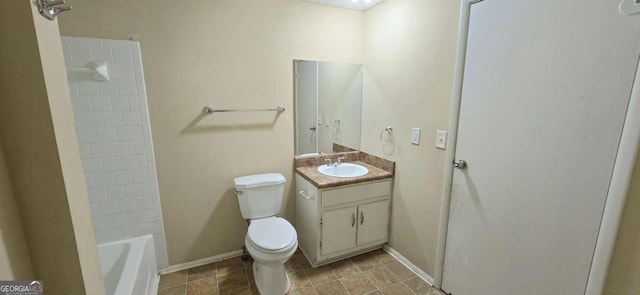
pixel 200 262
pixel 419 272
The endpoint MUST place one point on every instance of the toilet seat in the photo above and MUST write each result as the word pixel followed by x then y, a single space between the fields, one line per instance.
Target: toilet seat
pixel 271 234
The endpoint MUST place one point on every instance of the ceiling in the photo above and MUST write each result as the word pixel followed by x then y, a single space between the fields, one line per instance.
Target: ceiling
pixel 350 4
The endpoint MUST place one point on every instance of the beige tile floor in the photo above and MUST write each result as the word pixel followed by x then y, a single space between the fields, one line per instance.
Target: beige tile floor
pixel 374 273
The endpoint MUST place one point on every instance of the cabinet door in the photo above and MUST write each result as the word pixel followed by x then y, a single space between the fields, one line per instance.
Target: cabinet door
pixel 373 222
pixel 338 230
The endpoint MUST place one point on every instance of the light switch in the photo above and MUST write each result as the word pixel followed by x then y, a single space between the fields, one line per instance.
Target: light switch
pixel 441 139
pixel 415 136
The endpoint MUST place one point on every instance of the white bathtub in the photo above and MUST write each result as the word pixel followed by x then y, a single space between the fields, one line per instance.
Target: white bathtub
pixel 129 266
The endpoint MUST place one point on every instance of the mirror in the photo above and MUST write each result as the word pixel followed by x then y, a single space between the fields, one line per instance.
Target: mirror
pixel 328 106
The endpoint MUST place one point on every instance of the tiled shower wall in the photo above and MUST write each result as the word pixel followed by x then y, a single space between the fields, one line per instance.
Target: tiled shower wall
pixel 112 123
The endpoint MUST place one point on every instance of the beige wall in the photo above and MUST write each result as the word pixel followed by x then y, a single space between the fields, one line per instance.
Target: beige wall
pixel 624 271
pixel 410 56
pixel 112 19
pixel 41 153
pixel 15 263
pixel 231 54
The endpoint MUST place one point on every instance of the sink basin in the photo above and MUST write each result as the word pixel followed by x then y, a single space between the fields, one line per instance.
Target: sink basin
pixel 343 170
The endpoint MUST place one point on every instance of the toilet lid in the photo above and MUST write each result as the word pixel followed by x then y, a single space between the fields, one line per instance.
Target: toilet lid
pixel 272 233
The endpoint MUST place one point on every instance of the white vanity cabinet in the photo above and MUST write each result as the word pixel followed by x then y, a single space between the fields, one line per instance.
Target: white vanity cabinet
pixel 336 223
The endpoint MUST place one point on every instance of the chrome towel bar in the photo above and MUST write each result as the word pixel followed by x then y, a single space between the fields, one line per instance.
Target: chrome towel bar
pixel 211 110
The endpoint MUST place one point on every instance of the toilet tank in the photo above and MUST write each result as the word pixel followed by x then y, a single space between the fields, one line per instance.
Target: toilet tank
pixel 260 195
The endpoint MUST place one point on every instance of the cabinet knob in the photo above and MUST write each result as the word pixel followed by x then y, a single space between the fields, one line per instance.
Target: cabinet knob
pixel 361 217
pixel 353 219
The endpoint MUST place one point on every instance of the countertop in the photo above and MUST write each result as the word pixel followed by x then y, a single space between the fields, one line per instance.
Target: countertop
pixel 322 181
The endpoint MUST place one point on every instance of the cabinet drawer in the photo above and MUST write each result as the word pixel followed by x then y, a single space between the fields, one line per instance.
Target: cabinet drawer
pixel 355 193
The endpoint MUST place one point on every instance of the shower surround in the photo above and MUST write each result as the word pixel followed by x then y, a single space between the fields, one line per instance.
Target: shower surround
pixel 114 133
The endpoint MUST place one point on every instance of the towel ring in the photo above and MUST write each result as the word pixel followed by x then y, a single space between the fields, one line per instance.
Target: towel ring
pixel 389 132
pixel 336 126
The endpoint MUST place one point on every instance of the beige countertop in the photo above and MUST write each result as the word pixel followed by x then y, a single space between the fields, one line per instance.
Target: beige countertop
pixel 322 181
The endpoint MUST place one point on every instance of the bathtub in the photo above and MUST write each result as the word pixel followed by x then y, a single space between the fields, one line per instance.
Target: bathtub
pixel 129 266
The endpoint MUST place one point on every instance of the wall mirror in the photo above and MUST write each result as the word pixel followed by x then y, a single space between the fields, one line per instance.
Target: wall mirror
pixel 328 106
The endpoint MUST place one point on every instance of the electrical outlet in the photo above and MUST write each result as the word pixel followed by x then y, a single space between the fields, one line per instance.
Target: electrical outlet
pixel 415 136
pixel 441 139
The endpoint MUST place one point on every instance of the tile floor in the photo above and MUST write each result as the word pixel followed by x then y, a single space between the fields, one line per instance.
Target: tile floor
pixel 374 273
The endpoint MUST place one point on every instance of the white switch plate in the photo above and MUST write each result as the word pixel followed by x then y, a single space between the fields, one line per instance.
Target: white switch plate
pixel 441 139
pixel 415 136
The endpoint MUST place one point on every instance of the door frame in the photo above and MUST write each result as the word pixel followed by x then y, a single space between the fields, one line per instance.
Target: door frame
pixel 618 189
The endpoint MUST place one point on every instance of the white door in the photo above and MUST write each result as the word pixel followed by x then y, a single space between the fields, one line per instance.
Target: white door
pixel 338 230
pixel 306 87
pixel 373 222
pixel 546 88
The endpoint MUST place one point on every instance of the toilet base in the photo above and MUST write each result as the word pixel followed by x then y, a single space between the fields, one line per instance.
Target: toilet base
pixel 271 279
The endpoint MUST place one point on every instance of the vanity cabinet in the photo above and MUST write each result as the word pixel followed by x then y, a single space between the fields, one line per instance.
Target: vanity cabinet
pixel 336 223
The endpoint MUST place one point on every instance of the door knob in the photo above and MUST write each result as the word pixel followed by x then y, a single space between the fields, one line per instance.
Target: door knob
pixel 460 164
pixel 312 128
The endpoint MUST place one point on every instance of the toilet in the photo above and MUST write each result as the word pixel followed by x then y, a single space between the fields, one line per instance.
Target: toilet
pixel 270 240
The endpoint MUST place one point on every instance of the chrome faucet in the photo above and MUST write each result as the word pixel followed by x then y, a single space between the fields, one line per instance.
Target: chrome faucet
pixel 338 162
pixel 334 164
